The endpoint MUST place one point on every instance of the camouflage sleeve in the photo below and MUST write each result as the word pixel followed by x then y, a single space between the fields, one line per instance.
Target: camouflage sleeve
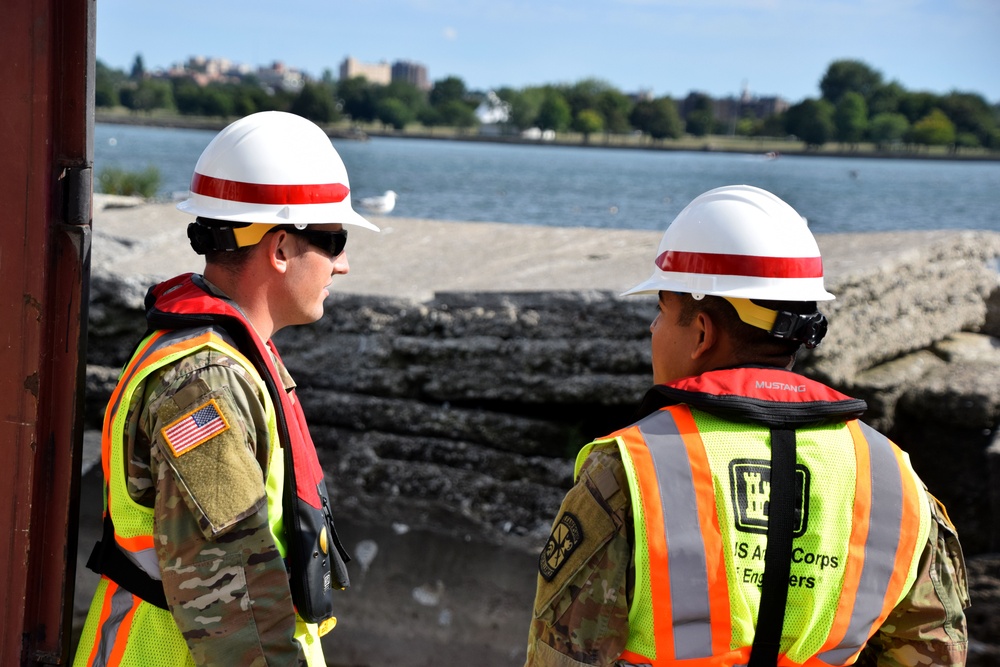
pixel 581 604
pixel 928 626
pixel 222 573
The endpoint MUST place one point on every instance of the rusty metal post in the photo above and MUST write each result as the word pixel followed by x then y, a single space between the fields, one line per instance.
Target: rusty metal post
pixel 46 116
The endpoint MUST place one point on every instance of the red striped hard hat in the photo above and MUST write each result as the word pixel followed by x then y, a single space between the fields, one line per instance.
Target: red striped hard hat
pixel 738 241
pixel 275 168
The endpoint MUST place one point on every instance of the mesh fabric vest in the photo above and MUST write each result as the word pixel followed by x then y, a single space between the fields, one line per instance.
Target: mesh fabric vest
pixel 699 482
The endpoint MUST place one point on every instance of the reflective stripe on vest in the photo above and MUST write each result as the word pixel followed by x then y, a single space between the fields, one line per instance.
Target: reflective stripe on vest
pixel 681 601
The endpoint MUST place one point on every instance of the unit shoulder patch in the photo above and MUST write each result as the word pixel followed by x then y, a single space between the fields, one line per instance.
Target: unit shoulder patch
pixel 566 536
pixel 194 428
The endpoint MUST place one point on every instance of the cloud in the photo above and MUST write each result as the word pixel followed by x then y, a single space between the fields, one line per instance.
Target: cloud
pixel 450 34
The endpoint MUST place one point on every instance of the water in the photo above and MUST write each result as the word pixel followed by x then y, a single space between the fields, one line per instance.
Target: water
pixel 608 188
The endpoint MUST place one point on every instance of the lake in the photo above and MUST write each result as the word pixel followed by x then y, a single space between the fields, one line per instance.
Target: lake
pixel 607 187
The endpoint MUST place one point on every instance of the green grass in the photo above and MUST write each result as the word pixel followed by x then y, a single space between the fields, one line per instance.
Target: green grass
pixel 116 181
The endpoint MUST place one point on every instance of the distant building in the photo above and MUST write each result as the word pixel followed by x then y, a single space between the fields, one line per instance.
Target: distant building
pixel 382 73
pixel 412 73
pixel 379 73
pixel 280 77
pixel 205 70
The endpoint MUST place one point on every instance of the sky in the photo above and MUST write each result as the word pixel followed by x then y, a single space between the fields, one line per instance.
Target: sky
pixel 666 47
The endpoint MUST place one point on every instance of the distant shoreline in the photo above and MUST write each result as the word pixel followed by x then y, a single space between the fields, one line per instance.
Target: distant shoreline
pixel 776 146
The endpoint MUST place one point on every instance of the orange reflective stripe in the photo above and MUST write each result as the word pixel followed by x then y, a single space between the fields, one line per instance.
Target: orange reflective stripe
pixel 659 580
pixel 708 518
pixel 635 658
pixel 137 543
pixel 734 657
pixel 859 537
pixel 115 397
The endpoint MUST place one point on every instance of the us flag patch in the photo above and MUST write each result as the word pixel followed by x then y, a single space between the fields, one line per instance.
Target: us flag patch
pixel 196 427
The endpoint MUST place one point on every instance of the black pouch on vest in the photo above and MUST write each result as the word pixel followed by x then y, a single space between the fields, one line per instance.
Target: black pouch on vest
pixel 316 557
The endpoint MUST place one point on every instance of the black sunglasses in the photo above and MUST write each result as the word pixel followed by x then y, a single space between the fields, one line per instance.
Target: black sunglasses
pixel 332 243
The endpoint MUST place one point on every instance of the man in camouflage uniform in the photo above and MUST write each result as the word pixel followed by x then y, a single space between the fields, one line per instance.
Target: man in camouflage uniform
pixel 588 577
pixel 192 425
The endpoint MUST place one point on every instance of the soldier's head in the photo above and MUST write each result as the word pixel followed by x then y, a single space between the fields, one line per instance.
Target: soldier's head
pixel 738 275
pixel 271 200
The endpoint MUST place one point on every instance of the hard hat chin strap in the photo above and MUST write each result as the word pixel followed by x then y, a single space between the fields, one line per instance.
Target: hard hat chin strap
pixel 806 329
pixel 214 235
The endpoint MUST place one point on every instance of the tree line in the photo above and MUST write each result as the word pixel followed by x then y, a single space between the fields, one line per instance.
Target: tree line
pixel 855 105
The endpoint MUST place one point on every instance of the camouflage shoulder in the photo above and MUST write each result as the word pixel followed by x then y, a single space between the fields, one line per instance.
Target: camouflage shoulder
pixel 581 603
pixel 952 574
pixel 928 626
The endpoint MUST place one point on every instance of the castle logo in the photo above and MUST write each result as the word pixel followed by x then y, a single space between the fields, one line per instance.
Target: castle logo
pixel 750 489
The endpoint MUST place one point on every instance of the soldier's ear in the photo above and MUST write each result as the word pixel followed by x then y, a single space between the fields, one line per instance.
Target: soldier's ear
pixel 278 249
pixel 707 335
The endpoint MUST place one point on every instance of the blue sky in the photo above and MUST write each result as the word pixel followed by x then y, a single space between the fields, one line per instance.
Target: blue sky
pixel 670 47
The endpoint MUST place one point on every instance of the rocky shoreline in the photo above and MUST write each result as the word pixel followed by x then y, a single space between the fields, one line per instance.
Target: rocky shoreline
pixel 453 379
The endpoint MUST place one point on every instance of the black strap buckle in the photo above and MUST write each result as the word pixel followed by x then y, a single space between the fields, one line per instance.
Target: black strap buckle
pixel 205 238
pixel 806 329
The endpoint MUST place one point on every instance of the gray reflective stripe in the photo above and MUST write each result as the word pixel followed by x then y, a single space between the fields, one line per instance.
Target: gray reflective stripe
pixel 884 528
pixel 692 627
pixel 145 560
pixel 121 602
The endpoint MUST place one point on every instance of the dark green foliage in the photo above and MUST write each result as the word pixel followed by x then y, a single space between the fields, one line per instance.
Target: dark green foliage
pixel 845 76
pixel 850 118
pixel 315 102
pixel 811 121
pixel 555 113
pixel 658 118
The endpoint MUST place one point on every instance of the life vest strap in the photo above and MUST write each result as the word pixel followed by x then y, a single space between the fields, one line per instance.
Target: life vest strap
pixel 109 560
pixel 778 559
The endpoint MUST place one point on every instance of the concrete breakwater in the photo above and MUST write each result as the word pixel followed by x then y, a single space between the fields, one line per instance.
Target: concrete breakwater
pixel 450 384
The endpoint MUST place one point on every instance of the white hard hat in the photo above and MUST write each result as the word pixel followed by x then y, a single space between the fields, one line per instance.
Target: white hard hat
pixel 272 168
pixel 738 241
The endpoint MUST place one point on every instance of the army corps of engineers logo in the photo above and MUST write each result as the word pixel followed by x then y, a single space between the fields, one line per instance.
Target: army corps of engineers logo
pixel 750 485
pixel 565 538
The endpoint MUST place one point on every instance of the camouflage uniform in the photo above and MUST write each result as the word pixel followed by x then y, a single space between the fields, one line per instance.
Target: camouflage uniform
pixel 222 572
pixel 585 586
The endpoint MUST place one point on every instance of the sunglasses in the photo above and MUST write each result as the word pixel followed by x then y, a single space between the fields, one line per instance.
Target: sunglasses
pixel 332 243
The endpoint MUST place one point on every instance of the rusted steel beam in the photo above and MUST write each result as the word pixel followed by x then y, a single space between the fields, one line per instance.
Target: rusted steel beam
pixel 46 116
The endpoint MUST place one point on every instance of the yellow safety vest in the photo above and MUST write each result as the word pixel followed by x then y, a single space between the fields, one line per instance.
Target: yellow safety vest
pixel 122 629
pixel 699 489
